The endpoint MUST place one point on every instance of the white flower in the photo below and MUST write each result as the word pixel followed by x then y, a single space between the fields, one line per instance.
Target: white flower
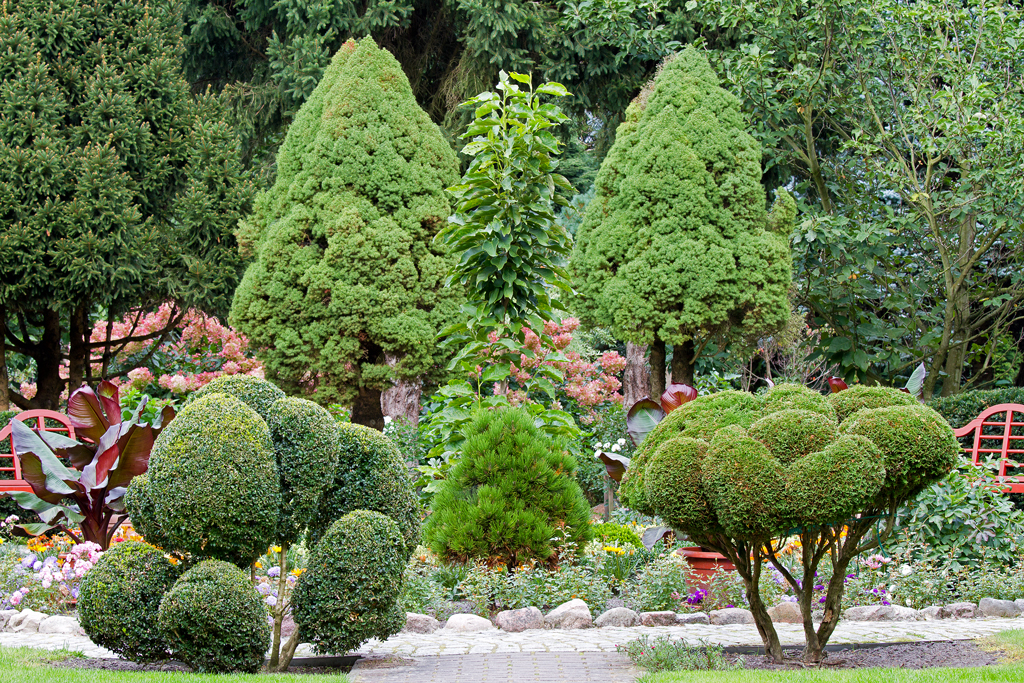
pixel 906 570
pixel 616 448
pixel 387 420
pixel 621 442
pixel 607 445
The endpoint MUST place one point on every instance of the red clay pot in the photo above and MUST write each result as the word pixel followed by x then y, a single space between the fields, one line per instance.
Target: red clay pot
pixel 703 563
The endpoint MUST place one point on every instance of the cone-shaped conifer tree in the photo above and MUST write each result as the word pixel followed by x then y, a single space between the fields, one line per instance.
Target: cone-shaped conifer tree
pixel 677 246
pixel 346 290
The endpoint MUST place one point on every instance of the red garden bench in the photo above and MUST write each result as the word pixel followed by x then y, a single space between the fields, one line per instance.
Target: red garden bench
pixel 9 463
pixel 1002 436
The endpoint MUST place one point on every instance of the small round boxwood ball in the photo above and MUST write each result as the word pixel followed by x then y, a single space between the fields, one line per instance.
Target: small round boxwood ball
pixel 258 394
pixel 860 397
pixel 796 397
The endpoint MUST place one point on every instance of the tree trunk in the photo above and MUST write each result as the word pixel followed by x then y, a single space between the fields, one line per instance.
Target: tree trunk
pixel 683 362
pixel 636 378
pixel 49 384
pixel 5 403
pixel 366 409
pixel 402 399
pixel 78 355
pixel 657 360
pixel 748 566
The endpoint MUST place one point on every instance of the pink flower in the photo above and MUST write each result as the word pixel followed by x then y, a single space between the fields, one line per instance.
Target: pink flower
pixel 28 389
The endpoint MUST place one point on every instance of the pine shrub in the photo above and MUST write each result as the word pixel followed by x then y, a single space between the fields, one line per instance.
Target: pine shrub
pixel 510 494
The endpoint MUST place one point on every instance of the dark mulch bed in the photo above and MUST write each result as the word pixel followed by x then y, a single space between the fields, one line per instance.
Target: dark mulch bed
pixel 960 653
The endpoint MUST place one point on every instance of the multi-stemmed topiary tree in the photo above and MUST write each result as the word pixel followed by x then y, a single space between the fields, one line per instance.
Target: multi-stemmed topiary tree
pixel 677 246
pixel 346 292
pixel 741 474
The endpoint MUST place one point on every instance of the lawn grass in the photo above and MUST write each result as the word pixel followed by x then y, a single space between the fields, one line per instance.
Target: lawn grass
pixel 28 665
pixel 1009 643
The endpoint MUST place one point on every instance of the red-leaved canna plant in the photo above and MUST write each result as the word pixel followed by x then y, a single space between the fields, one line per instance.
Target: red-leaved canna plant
pixel 89 494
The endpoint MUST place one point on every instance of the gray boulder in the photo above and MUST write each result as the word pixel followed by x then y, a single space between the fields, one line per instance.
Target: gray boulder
pixel 516 620
pixel 5 617
pixel 467 623
pixel 730 615
pixel 1020 603
pixel 618 616
pixel 26 621
pixel 962 610
pixel 692 618
pixel 63 625
pixel 420 623
pixel 570 615
pixel 786 613
pixel 934 613
pixel 658 618
pixel 881 613
pixel 991 607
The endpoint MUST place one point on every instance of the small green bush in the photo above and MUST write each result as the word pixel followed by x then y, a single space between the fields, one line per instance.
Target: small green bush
pixel 258 394
pixel 145 520
pixel 349 591
pixel 213 488
pixel 673 483
pixel 665 654
pixel 215 621
pixel 370 475
pixel 119 602
pixel 812 482
pixel 305 440
pixel 792 434
pixel 916 442
pixel 860 397
pixel 796 397
pixel 616 533
pixel 660 585
pixel 745 485
pixel 509 495
pixel 961 408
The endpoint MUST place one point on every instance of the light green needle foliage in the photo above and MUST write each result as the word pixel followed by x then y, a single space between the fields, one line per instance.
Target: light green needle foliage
pixel 677 244
pixel 345 271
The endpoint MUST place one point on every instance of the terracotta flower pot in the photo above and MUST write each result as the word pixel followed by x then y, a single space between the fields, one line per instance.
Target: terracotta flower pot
pixel 703 563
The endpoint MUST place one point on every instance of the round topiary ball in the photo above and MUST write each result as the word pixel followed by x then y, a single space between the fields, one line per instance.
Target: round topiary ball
pixel 745 485
pixel 305 441
pixel 349 591
pixel 214 620
pixel 258 394
pixel 796 397
pixel 859 397
pixel 213 482
pixel 370 475
pixel 792 434
pixel 674 488
pixel 142 509
pixel 119 601
pixel 834 484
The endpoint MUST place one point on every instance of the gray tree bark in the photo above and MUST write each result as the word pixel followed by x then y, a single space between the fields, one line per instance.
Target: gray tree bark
pixel 636 378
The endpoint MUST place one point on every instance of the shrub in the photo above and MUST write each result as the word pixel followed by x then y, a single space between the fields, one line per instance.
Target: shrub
pixel 305 440
pixel 673 482
pixel 744 484
pixel 860 397
pixel 119 601
pixel 660 585
pixel 961 408
pixel 508 496
pixel 370 475
pixel 835 483
pixel 664 654
pixel 213 488
pixel 258 394
pixel 139 501
pixel 796 397
pixel 349 592
pixel 792 434
pixel 616 533
pixel 214 620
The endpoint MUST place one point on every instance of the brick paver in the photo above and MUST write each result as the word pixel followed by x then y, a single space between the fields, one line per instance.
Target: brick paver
pixel 542 667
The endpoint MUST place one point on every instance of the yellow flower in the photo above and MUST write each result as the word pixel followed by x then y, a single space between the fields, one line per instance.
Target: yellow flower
pixel 297 572
pixel 258 565
pixel 275 549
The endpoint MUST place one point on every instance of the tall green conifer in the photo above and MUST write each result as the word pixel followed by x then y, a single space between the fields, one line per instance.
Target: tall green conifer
pixel 677 246
pixel 346 291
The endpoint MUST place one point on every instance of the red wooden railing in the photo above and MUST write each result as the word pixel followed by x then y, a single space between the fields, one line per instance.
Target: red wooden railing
pixel 9 463
pixel 998 437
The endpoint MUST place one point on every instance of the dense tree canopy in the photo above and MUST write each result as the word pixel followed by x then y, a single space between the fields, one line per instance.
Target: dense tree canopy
pixel 117 188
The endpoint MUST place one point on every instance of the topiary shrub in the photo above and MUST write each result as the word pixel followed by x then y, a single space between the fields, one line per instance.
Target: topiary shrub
pixel 214 620
pixel 610 532
pixel 258 394
pixel 306 451
pixel 213 487
pixel 859 397
pixel 349 591
pixel 511 492
pixel 119 601
pixel 144 519
pixel 785 470
pixel 370 475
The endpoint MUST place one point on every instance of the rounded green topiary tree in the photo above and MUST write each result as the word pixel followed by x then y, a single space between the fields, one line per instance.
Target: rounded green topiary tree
pixel 346 291
pixel 370 475
pixel 214 620
pixel 119 601
pixel 349 591
pixel 510 494
pixel 858 397
pixel 212 489
pixel 777 466
pixel 677 246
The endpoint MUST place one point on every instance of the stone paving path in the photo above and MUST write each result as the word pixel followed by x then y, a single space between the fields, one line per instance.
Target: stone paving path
pixel 539 667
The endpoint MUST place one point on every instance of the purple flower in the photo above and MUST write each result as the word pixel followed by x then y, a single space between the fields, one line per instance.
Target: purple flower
pixel 274 572
pixel 727 606
pixel 851 576
pixel 819 587
pixel 28 561
pixel 697 597
pixel 821 599
pixel 886 602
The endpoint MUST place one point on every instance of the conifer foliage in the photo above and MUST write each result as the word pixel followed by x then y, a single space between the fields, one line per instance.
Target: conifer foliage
pixel 677 246
pixel 118 188
pixel 346 291
pixel 509 496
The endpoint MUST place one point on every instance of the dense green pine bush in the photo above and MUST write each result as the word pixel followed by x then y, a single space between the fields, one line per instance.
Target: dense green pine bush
pixel 258 394
pixel 305 442
pixel 212 489
pixel 511 492
pixel 859 397
pixel 346 275
pixel 370 475
pixel 677 244
pixel 119 602
pixel 961 408
pixel 349 591
pixel 214 620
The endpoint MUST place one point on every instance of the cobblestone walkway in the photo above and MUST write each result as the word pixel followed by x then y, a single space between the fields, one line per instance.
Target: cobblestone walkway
pixel 541 667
